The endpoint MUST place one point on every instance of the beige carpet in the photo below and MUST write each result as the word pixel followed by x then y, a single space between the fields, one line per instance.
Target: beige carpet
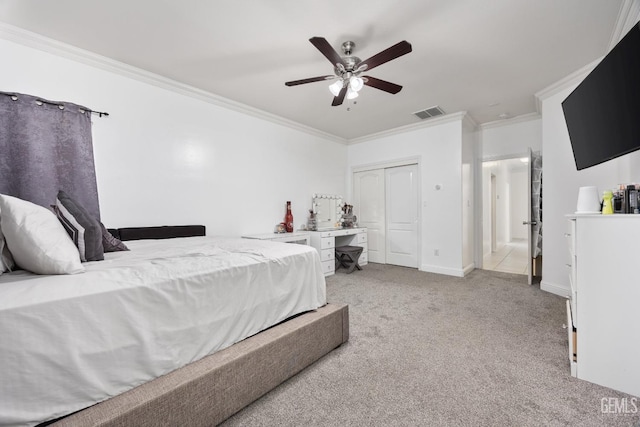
pixel 433 350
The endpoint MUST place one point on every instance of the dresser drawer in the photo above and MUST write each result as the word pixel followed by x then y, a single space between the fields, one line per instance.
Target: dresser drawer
pixel 326 243
pixel 327 254
pixel 328 267
pixel 362 237
pixel 364 258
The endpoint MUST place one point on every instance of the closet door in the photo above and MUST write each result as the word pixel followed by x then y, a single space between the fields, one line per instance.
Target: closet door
pixel 401 189
pixel 368 203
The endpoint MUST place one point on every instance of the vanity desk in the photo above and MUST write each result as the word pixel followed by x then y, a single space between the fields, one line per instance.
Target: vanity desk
pixel 325 241
pixel 301 237
pixel 328 210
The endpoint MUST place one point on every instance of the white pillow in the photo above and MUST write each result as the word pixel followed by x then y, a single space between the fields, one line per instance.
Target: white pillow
pixel 36 239
pixel 6 260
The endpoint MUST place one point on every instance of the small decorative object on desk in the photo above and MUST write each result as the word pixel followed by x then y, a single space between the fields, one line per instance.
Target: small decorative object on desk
pixel 288 219
pixel 349 220
pixel 280 228
pixel 607 202
pixel 312 222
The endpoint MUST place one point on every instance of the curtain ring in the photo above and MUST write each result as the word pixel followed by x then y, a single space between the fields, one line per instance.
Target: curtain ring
pixel 15 98
pixel 61 107
pixel 38 102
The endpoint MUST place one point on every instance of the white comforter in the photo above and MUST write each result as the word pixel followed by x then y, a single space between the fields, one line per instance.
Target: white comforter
pixel 67 342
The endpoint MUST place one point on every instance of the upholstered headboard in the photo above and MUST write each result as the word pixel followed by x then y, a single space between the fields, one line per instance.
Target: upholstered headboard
pixel 162 232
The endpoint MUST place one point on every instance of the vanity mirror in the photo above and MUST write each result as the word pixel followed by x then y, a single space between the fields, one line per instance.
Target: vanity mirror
pixel 328 209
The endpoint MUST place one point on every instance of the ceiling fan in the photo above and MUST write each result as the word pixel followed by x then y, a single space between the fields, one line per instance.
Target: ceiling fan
pixel 348 69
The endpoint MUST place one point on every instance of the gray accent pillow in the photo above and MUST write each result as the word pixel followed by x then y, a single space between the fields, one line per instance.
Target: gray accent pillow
pixel 84 229
pixel 111 243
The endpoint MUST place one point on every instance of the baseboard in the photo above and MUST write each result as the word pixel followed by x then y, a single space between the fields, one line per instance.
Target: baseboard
pixel 458 272
pixel 554 289
pixel 468 269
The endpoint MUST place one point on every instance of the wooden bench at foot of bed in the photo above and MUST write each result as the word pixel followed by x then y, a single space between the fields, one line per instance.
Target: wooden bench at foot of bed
pixel 207 392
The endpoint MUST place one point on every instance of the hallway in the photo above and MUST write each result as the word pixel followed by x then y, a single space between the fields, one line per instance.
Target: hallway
pixel 512 258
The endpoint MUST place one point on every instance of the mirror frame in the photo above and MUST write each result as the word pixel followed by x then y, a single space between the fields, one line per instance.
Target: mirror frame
pixel 333 205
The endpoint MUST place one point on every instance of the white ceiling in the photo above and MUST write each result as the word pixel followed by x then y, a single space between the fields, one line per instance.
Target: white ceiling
pixel 484 57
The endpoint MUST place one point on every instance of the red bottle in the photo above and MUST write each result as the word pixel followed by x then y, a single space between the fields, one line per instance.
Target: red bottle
pixel 288 219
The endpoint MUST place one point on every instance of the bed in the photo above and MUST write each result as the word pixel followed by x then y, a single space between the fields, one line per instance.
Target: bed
pixel 176 331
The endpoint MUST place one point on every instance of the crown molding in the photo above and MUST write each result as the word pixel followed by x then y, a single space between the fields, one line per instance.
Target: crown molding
pixel 436 121
pixel 572 79
pixel 45 44
pixel 628 16
pixel 467 120
pixel 511 121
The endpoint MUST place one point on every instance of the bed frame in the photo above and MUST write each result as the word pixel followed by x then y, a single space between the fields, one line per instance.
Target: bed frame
pixel 208 391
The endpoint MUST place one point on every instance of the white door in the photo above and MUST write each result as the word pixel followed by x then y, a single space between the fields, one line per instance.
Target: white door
pixel 401 190
pixel 529 222
pixel 368 206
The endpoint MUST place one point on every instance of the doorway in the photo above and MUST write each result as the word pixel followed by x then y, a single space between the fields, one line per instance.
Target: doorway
pixel 493 195
pixel 505 189
pixel 386 203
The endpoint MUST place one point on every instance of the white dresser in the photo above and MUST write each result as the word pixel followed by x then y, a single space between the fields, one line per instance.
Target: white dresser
pixel 604 306
pixel 325 243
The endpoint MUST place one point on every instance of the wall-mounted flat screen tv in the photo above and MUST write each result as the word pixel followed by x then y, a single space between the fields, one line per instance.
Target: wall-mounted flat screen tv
pixel 603 112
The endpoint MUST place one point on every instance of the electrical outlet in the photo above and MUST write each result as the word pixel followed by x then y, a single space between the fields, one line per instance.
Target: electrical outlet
pixel 436 252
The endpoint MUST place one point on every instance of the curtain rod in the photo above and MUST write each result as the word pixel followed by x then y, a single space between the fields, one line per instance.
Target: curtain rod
pixel 39 101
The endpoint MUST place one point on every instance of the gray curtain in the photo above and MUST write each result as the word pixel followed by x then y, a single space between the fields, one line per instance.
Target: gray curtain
pixel 536 202
pixel 46 146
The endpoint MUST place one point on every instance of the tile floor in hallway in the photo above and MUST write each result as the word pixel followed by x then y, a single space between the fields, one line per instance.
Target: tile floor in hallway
pixel 511 258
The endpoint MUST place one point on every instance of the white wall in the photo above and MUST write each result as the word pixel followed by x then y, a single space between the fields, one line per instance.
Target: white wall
pixel 469 146
pixel 439 148
pixel 485 197
pixel 503 214
pixel 167 158
pixel 511 138
pixel 561 180
pixel 500 140
pixel 519 204
pixel 511 206
pixel 503 217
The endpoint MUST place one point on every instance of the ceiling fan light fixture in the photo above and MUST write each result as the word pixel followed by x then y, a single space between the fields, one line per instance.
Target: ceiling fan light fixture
pixel 356 83
pixel 347 68
pixel 336 87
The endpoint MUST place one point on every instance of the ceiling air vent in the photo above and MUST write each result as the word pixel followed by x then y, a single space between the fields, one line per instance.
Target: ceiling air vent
pixel 429 112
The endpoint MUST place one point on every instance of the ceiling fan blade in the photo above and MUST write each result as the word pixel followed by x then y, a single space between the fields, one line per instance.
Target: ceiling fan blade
pixel 309 80
pixel 387 55
pixel 382 84
pixel 325 48
pixel 340 98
